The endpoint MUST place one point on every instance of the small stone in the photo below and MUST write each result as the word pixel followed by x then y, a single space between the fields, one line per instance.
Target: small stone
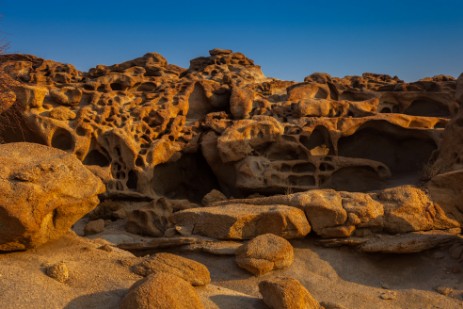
pixel 170 232
pixel 94 227
pixel 59 272
pixel 264 254
pixel 330 305
pixel 106 248
pixel 213 197
pixel 388 295
pixel 386 286
pixel 446 291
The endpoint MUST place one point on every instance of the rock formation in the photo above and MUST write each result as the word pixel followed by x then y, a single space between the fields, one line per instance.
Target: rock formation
pixel 203 158
pixel 44 191
pixel 135 122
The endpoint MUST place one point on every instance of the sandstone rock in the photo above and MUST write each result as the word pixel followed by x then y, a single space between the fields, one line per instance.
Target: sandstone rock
pixel 334 214
pixel 408 242
pixel 44 191
pixel 265 253
pixel 94 227
pixel 286 293
pixel 212 197
pixel 132 120
pixel 241 221
pixel 59 272
pixel 189 270
pixel 161 290
pixel 408 209
pixel 241 102
pixel 215 247
pixel 150 220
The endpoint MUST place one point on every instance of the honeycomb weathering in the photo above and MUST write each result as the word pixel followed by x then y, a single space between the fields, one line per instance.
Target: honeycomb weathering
pixel 134 121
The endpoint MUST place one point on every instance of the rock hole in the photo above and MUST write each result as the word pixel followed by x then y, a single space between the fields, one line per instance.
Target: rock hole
pixel 427 107
pixel 193 178
pixel 62 139
pixel 326 167
pixel 353 179
pixel 402 150
pixel 116 86
pixel 132 180
pixel 95 157
pixel 303 168
pixel 320 136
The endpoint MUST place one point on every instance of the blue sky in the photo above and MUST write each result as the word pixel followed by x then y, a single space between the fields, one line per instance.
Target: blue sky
pixel 289 39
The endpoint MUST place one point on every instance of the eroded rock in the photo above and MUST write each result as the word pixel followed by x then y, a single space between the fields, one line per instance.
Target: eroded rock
pixel 161 290
pixel 241 221
pixel 265 253
pixel 189 270
pixel 44 191
pixel 288 293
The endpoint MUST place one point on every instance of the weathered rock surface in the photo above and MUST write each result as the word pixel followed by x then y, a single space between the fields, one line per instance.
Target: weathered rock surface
pixel 286 293
pixel 189 270
pixel 242 221
pixel 224 120
pixel 43 192
pixel 265 253
pixel 348 153
pixel 334 214
pixel 161 290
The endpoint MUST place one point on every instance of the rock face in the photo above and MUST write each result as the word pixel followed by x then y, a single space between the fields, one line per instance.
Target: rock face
pixel 189 270
pixel 334 214
pixel 241 221
pixel 349 152
pixel 43 192
pixel 163 291
pixel 224 122
pixel 264 254
pixel 286 293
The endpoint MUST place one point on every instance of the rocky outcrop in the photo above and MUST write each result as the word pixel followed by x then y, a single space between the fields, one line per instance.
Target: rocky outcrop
pixel 334 214
pixel 43 192
pixel 349 152
pixel 241 221
pixel 265 253
pixel 244 133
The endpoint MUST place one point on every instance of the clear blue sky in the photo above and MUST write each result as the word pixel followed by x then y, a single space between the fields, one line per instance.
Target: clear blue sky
pixel 289 39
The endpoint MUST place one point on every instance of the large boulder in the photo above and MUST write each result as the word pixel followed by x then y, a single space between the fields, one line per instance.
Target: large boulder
pixel 264 254
pixel 242 221
pixel 161 291
pixel 43 192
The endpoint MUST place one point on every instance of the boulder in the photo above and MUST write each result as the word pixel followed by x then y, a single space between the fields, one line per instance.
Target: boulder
pixel 161 291
pixel 94 227
pixel 189 270
pixel 43 192
pixel 242 221
pixel 286 293
pixel 264 254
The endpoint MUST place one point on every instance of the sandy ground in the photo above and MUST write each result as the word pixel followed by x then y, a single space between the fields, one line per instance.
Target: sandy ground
pixel 342 276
